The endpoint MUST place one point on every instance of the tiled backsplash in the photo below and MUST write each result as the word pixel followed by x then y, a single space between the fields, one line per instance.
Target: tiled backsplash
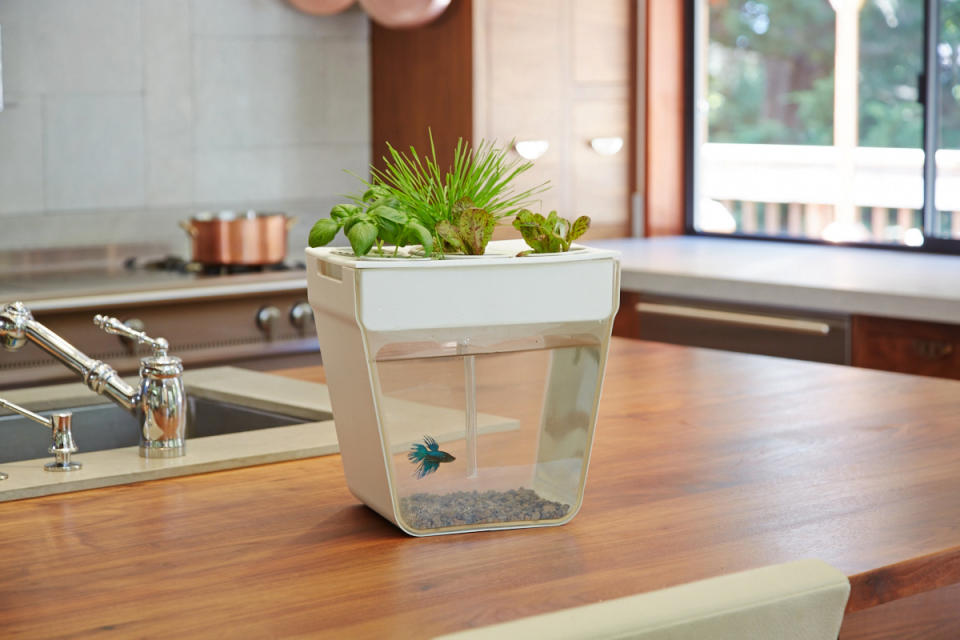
pixel 123 116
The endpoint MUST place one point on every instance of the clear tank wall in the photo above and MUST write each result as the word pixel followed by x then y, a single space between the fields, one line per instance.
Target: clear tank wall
pixel 492 431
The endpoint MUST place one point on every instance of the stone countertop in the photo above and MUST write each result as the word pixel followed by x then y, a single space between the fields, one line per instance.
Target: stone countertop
pixel 96 290
pixel 895 284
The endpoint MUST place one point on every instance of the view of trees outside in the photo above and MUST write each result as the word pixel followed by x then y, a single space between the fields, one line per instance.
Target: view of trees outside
pixel 771 74
pixel 770 80
pixel 948 51
pixel 948 60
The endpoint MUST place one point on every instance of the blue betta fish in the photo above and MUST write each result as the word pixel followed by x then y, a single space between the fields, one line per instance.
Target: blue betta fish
pixel 428 458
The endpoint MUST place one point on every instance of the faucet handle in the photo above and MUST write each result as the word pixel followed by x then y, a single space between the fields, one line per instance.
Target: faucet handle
pixel 117 328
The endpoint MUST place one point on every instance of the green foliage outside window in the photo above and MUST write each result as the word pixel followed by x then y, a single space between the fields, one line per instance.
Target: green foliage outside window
pixel 770 72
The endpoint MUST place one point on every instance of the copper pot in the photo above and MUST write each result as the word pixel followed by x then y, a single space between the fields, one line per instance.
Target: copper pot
pixel 239 237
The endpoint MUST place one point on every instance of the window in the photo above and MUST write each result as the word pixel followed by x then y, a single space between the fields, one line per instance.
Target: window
pixel 826 120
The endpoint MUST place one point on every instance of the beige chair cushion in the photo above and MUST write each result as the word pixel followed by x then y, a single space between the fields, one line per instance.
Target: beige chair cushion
pixel 801 600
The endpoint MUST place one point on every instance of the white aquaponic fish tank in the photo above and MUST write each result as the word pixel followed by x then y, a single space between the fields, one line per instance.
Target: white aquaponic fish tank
pixel 465 390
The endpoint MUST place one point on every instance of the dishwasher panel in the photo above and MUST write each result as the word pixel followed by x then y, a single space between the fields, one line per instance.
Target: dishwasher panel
pixel 788 333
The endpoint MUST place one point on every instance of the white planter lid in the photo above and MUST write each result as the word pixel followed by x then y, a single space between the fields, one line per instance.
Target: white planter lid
pixel 500 252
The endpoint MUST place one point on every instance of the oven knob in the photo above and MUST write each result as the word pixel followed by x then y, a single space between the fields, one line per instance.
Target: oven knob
pixel 267 320
pixel 301 314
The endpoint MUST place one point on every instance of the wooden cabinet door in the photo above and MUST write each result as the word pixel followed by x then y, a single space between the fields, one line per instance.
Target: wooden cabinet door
pixel 559 71
pixel 600 113
pixel 601 185
pixel 924 348
pixel 520 88
pixel 601 42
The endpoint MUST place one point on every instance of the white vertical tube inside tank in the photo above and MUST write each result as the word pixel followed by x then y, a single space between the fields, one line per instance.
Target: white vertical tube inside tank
pixel 470 391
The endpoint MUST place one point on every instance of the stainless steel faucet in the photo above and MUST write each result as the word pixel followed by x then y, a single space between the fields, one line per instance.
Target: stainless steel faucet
pixel 159 400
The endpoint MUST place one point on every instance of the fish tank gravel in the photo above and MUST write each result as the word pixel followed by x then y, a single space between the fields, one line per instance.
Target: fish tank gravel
pixel 432 511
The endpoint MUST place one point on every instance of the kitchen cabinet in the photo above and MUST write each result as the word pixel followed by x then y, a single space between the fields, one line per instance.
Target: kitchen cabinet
pixel 888 344
pixel 907 346
pixel 774 331
pixel 897 310
pixel 554 71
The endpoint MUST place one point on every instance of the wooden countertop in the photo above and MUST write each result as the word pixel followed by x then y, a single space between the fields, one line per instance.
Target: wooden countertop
pixel 704 463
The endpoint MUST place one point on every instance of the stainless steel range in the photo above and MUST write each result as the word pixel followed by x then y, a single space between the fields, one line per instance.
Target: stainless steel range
pixel 256 318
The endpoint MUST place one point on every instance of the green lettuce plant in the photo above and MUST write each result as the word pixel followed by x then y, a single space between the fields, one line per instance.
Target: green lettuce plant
pixel 552 234
pixel 467 230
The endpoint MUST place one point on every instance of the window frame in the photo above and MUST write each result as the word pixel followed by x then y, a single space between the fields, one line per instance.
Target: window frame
pixel 930 97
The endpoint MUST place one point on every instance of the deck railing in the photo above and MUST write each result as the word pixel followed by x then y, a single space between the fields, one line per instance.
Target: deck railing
pixel 793 189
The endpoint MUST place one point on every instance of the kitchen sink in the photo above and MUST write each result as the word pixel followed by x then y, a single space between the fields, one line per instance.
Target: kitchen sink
pixel 235 418
pixel 108 426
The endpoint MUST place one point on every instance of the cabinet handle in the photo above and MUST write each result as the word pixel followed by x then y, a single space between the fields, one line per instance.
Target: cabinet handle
pixel 607 146
pixel 531 149
pixel 932 349
pixel 809 327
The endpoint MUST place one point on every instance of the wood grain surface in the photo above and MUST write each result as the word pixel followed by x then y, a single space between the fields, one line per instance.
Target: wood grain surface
pixel 704 463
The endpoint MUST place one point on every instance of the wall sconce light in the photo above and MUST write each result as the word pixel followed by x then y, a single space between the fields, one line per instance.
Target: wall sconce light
pixel 531 149
pixel 607 146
